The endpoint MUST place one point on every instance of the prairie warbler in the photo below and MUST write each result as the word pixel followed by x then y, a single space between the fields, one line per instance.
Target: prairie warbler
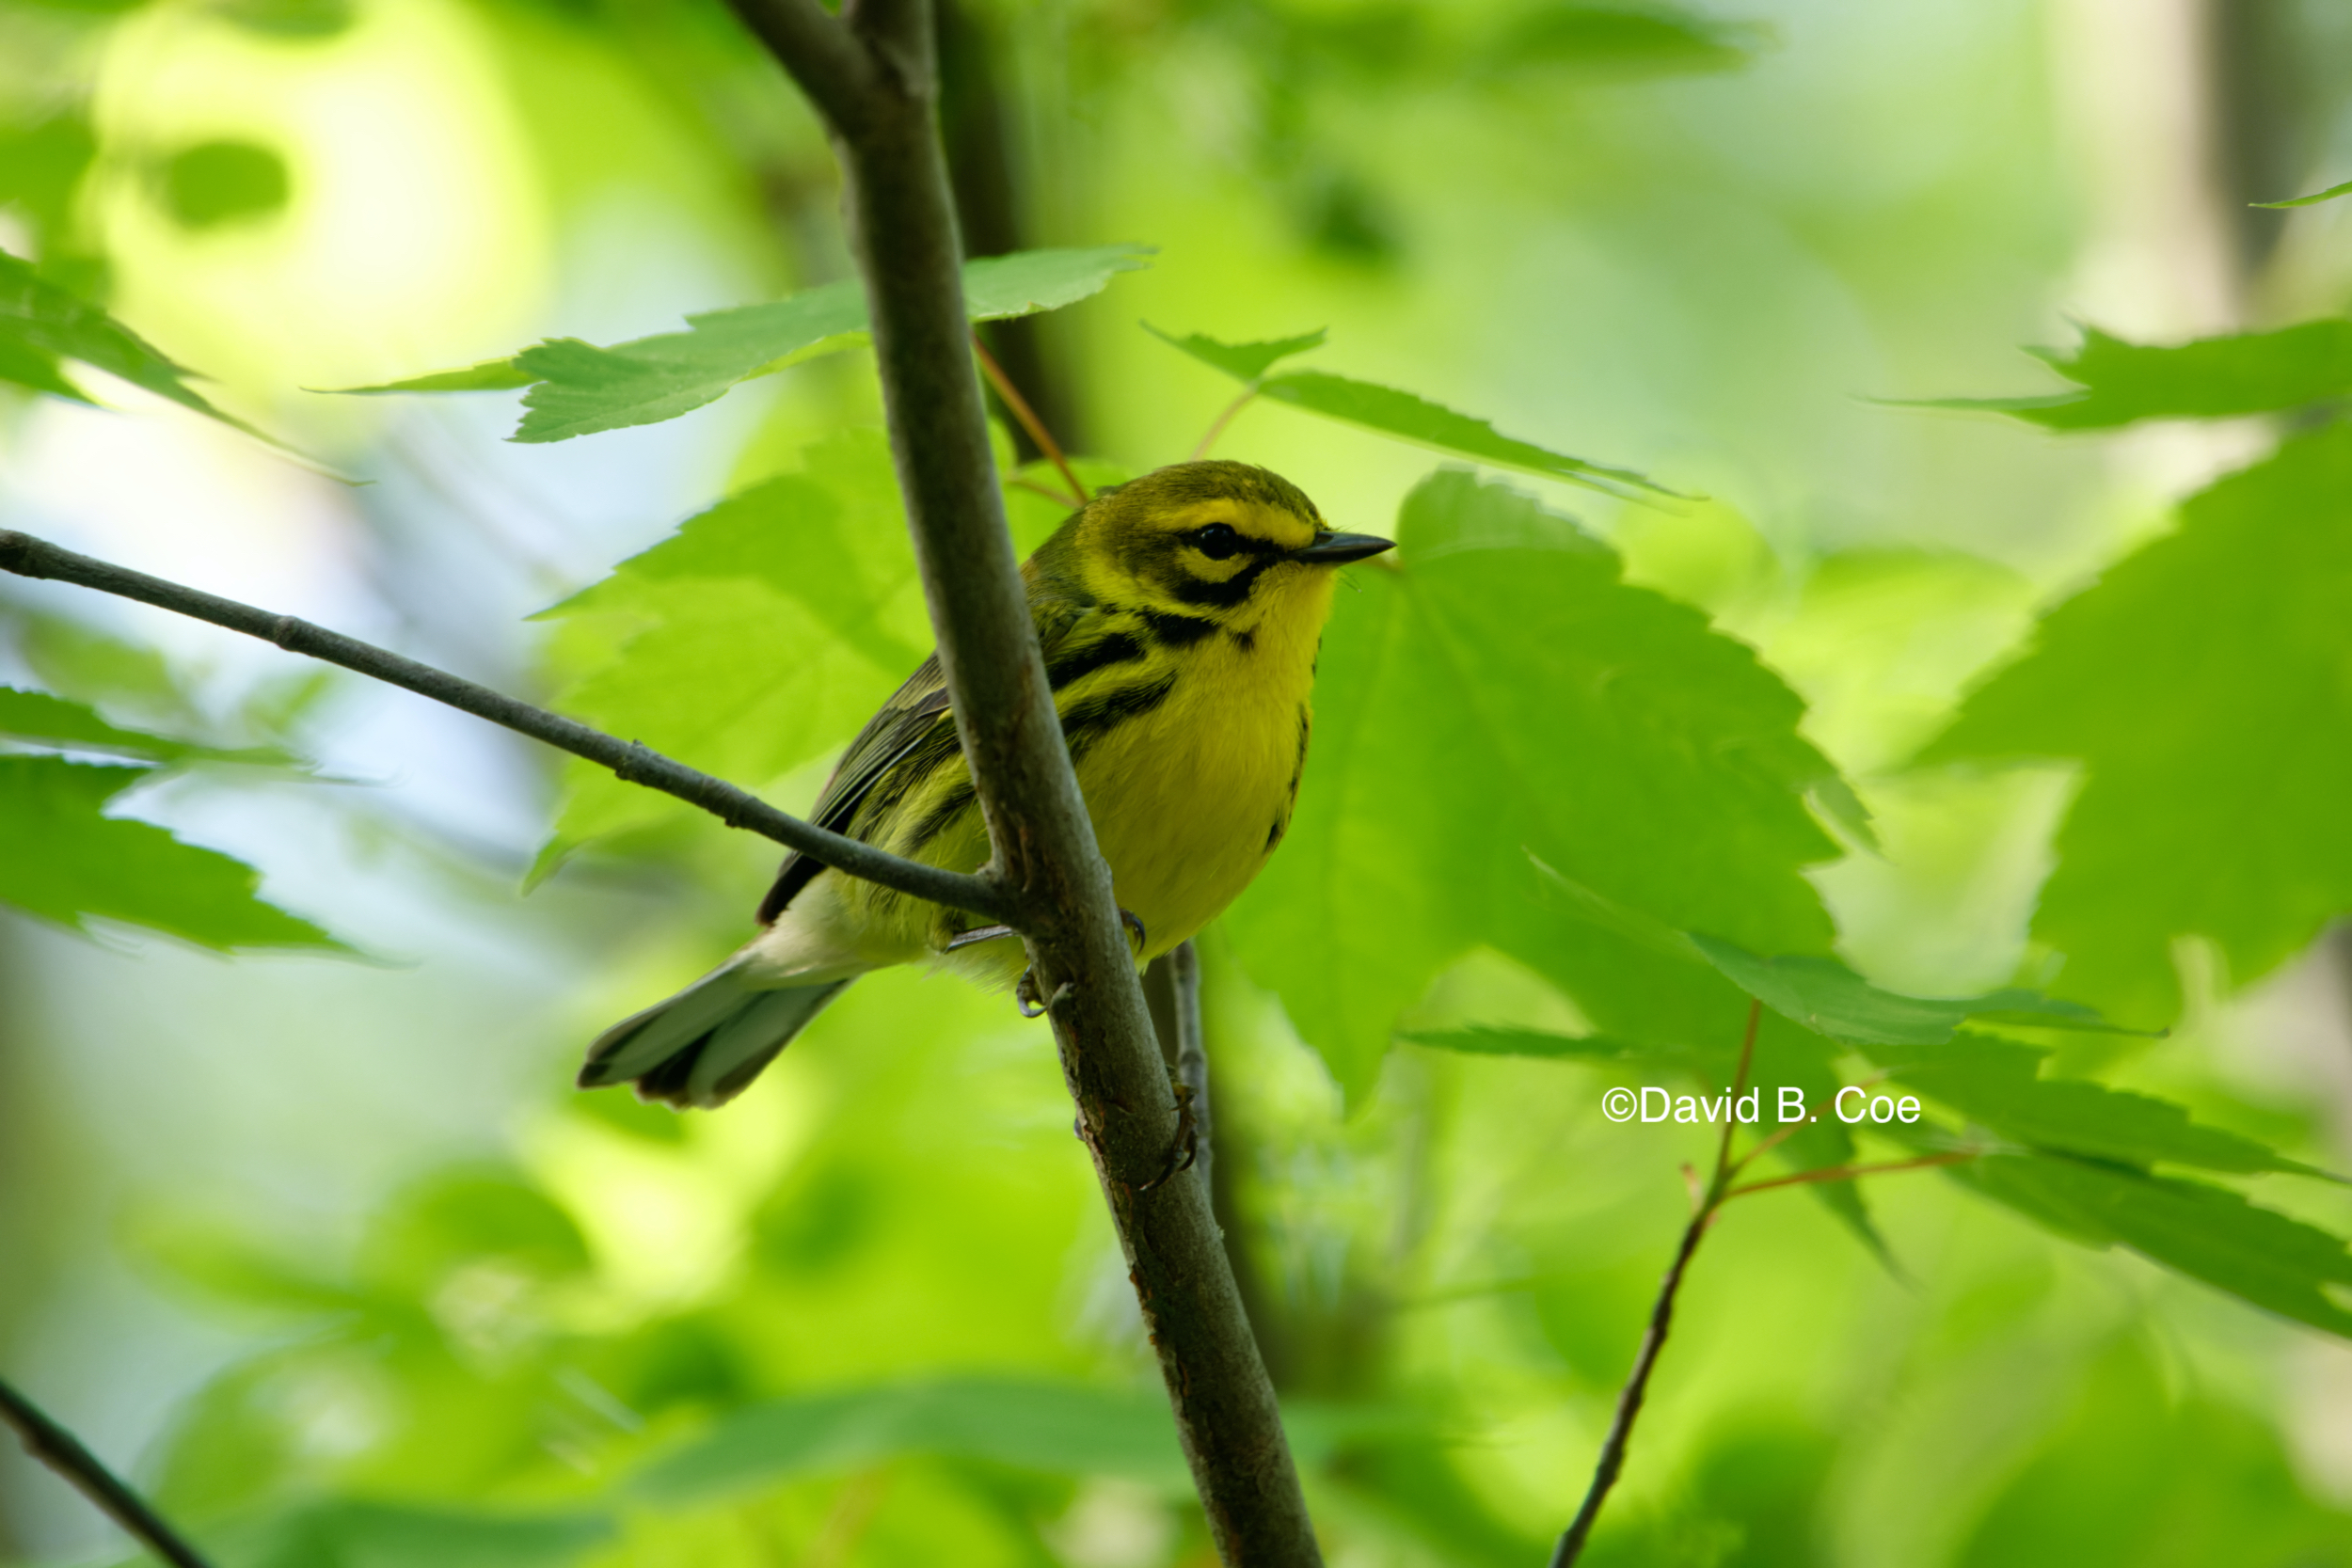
pixel 1179 615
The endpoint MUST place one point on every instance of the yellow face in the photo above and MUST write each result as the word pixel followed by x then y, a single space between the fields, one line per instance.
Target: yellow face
pixel 1220 542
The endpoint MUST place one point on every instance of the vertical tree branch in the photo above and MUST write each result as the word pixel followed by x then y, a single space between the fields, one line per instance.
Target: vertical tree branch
pixel 59 1448
pixel 902 231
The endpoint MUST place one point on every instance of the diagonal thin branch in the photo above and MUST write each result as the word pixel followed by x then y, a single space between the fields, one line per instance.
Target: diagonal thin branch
pixel 1848 1173
pixel 1216 426
pixel 1662 1317
pixel 26 556
pixel 1706 1211
pixel 1613 1450
pixel 1028 415
pixel 59 1449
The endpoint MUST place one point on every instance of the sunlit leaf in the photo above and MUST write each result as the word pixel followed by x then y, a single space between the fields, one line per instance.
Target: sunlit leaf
pixel 1827 997
pixel 582 389
pixel 763 632
pixel 62 859
pixel 2202 687
pixel 2204 1231
pixel 1242 361
pixel 41 324
pixel 1403 415
pixel 1066 1428
pixel 37 716
pixel 2312 200
pixel 2253 372
pixel 1998 1085
pixel 492 376
pixel 1502 693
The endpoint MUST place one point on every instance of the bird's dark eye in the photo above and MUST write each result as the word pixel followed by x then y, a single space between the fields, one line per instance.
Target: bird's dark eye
pixel 1218 541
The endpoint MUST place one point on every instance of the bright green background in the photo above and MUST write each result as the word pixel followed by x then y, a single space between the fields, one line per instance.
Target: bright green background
pixel 321 1248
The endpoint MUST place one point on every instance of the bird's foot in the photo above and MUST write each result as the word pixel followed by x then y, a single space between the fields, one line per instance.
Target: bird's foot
pixel 1136 936
pixel 1025 995
pixel 1183 1150
pixel 977 934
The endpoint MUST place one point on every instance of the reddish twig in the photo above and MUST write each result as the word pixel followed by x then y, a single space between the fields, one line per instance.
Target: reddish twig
pixel 1846 1173
pixel 1028 415
pixel 1216 426
pixel 1046 490
pixel 1790 1129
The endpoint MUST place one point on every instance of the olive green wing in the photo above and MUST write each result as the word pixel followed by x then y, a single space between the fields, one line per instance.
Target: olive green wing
pixel 915 720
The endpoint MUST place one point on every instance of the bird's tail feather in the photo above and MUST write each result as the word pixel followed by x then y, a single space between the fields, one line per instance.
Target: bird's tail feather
pixel 703 1045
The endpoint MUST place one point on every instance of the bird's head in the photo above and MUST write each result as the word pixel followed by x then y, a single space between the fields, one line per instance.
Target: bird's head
pixel 1216 541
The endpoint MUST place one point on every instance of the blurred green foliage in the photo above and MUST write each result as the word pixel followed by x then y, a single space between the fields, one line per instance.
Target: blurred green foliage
pixel 63 858
pixel 872 1315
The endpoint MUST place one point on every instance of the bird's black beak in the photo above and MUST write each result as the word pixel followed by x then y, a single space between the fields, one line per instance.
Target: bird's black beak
pixel 1337 549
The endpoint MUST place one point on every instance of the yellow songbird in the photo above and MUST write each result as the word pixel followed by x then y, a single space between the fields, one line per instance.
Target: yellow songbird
pixel 1179 615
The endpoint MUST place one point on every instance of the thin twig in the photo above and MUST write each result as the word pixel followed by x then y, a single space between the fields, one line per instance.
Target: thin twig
pixel 1789 1130
pixel 1028 415
pixel 1706 1209
pixel 1216 426
pixel 1848 1173
pixel 59 1449
pixel 26 556
pixel 1612 1447
pixel 1738 1087
pixel 1046 490
pixel 1192 1055
pixel 1629 1401
pixel 853 1509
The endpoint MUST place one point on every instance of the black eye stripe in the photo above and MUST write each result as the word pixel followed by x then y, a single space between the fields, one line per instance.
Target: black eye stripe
pixel 1223 595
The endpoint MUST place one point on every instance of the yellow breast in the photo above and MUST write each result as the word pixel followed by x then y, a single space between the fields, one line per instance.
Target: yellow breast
pixel 1189 799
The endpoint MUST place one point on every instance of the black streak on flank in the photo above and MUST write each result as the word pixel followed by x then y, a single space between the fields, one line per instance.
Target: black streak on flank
pixel 951 805
pixel 1077 664
pixel 1273 835
pixel 1177 631
pixel 1089 721
pixel 1246 641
